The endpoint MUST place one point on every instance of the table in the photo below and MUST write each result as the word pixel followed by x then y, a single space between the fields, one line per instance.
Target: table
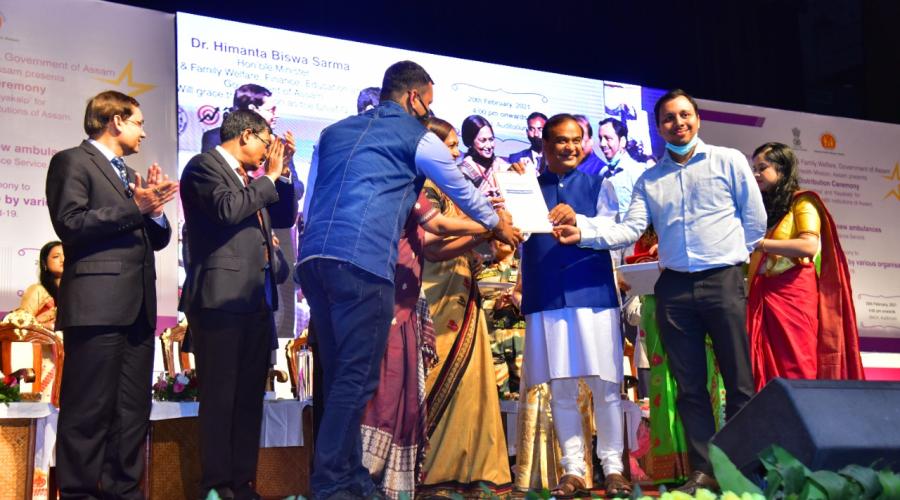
pixel 172 470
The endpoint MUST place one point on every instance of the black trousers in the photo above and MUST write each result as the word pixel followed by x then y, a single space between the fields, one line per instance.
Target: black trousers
pixel 104 410
pixel 688 307
pixel 232 353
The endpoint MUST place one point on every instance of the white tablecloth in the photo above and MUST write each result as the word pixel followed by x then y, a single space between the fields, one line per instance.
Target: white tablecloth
pixel 26 410
pixel 282 423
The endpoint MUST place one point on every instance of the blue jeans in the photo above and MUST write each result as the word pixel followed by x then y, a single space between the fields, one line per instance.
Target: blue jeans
pixel 351 311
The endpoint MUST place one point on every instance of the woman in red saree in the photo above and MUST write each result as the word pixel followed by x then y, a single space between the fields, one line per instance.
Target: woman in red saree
pixel 800 313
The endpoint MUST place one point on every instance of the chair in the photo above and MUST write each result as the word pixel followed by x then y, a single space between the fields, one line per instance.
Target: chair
pixel 630 381
pixel 175 335
pixel 18 435
pixel 168 339
pixel 21 326
pixel 292 351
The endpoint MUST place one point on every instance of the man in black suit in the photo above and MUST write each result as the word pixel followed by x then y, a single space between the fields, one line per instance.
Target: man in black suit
pixel 534 153
pixel 229 294
pixel 290 188
pixel 110 223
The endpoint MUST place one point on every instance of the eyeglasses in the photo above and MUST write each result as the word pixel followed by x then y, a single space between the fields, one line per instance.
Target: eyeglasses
pixel 140 124
pixel 267 143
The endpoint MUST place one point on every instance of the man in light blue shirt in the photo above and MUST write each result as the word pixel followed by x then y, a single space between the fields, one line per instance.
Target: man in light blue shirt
pixel 708 212
pixel 621 169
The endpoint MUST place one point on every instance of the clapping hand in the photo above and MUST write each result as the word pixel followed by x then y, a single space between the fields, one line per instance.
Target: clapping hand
pixel 275 160
pixel 290 147
pixel 152 195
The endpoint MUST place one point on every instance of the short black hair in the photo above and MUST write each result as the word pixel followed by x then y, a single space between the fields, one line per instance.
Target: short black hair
pixel 668 96
pixel 620 128
pixel 583 120
pixel 368 96
pixel 401 77
pixel 553 122
pixel 536 114
pixel 239 120
pixel 249 94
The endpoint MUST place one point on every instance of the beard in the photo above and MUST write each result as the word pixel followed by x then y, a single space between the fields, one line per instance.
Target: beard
pixel 537 144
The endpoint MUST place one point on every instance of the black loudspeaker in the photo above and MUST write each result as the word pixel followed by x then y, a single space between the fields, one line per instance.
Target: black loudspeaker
pixel 826 424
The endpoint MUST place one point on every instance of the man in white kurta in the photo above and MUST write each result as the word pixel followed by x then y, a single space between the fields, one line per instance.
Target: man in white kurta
pixel 571 311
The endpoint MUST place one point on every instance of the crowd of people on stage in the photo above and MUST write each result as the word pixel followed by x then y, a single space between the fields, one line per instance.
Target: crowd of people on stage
pixel 427 305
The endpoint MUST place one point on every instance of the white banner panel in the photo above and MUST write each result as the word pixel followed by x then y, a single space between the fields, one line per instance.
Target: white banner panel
pixel 855 166
pixel 54 55
pixel 315 81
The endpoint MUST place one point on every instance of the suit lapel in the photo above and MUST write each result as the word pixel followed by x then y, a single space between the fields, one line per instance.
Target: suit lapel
pixel 105 167
pixel 232 179
pixel 226 170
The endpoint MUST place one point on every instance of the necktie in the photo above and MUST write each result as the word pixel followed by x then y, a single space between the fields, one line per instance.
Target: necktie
pixel 246 178
pixel 119 164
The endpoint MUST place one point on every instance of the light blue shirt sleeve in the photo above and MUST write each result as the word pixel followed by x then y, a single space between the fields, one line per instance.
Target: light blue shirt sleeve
pixel 433 159
pixel 748 199
pixel 161 220
pixel 602 232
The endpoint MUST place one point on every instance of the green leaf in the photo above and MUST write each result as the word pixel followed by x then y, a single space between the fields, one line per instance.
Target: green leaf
pixel 793 472
pixel 833 484
pixel 866 477
pixel 534 495
pixel 729 477
pixel 812 491
pixel 890 485
pixel 774 481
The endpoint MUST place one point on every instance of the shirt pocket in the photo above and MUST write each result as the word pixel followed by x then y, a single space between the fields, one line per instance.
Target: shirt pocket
pixel 711 194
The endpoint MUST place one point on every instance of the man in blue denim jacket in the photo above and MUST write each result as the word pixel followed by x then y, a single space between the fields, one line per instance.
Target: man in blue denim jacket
pixel 369 171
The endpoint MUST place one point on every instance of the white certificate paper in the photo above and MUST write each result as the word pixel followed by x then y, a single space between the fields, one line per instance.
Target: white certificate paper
pixel 642 277
pixel 524 201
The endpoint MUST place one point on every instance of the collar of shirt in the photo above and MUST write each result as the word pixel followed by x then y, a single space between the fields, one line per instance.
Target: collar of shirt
pixel 103 149
pixel 232 162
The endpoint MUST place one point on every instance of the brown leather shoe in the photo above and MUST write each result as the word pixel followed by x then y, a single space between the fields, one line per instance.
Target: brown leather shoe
pixel 699 480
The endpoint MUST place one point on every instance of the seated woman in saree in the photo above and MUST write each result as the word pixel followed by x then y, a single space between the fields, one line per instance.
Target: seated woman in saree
pixel 39 300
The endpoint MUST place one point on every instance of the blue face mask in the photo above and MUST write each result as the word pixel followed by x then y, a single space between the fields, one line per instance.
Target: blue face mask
pixel 683 150
pixel 615 159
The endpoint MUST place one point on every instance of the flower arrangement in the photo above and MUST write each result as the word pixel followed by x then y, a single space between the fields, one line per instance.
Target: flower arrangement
pixel 9 390
pixel 183 386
